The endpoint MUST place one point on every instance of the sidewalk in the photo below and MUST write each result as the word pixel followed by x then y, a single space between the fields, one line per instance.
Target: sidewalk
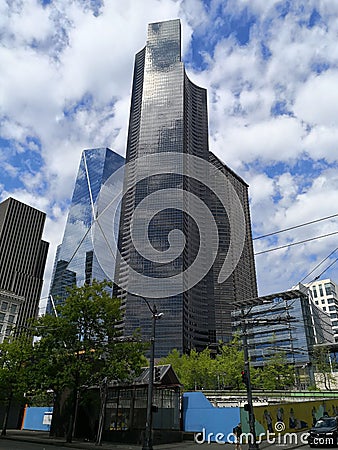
pixel 42 437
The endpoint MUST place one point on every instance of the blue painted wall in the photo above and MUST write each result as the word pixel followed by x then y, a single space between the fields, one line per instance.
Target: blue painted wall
pixel 200 416
pixel 34 418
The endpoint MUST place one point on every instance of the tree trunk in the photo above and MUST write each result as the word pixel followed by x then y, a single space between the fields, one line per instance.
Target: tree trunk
pixel 5 421
pixel 57 426
pixel 72 418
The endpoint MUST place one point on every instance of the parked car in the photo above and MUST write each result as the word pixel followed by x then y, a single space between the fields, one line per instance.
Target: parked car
pixel 324 433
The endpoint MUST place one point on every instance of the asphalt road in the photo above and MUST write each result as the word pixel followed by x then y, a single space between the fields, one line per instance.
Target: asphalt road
pixel 6 444
pixel 21 445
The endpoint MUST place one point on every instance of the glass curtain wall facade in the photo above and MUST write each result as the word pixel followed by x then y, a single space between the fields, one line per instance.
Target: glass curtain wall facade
pixel 23 256
pixel 241 283
pixel 288 322
pixel 169 114
pixel 85 253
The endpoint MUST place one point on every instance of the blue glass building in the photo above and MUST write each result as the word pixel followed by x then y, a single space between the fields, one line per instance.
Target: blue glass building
pixel 86 251
pixel 288 322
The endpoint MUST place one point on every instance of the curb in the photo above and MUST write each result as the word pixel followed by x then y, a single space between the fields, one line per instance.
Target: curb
pixel 78 445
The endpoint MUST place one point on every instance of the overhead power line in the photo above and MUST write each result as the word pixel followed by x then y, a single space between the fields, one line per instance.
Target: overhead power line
pixel 294 227
pixel 327 268
pixel 295 243
pixel 318 265
pixel 302 242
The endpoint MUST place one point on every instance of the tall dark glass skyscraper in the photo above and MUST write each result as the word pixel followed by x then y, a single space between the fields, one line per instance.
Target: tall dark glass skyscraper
pixel 23 256
pixel 85 253
pixel 179 196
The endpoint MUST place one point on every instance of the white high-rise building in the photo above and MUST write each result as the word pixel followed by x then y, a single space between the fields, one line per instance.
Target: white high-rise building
pixel 325 296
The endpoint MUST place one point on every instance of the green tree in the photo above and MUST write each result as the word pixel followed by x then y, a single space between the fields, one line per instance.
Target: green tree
pixel 195 371
pixel 15 371
pixel 323 366
pixel 276 373
pixel 230 363
pixel 178 363
pixel 203 370
pixel 82 345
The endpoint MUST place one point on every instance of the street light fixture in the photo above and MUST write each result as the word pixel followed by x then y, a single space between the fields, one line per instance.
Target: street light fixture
pixel 148 442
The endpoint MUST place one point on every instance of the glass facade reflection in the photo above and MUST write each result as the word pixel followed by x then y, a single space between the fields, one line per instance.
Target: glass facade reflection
pixel 78 260
pixel 169 114
pixel 241 284
pixel 288 322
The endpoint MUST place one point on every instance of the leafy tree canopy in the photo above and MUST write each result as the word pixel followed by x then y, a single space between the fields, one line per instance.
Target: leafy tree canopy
pixel 205 370
pixel 15 360
pixel 276 373
pixel 82 344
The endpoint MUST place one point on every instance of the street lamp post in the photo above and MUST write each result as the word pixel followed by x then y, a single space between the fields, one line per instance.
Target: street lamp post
pixel 147 443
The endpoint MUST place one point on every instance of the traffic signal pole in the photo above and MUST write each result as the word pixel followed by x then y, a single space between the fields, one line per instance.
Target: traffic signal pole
pixel 252 442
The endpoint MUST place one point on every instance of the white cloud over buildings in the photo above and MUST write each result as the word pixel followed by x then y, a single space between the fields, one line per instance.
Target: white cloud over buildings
pixel 65 80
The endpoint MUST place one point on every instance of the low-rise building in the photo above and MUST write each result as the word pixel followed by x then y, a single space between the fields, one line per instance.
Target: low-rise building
pixel 325 296
pixel 10 304
pixel 287 322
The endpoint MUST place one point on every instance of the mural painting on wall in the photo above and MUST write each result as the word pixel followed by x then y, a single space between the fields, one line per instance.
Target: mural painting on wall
pixel 294 416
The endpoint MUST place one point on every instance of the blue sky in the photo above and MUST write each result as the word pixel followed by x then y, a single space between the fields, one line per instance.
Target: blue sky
pixel 271 70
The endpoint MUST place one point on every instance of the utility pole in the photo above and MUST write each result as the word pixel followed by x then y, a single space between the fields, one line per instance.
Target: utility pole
pixel 252 442
pixel 253 445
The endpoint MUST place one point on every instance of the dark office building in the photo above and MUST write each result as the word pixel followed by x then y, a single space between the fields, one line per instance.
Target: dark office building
pixel 86 252
pixel 241 282
pixel 162 203
pixel 22 255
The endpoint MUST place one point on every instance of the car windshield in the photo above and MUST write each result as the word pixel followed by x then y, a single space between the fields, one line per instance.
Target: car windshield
pixel 325 423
